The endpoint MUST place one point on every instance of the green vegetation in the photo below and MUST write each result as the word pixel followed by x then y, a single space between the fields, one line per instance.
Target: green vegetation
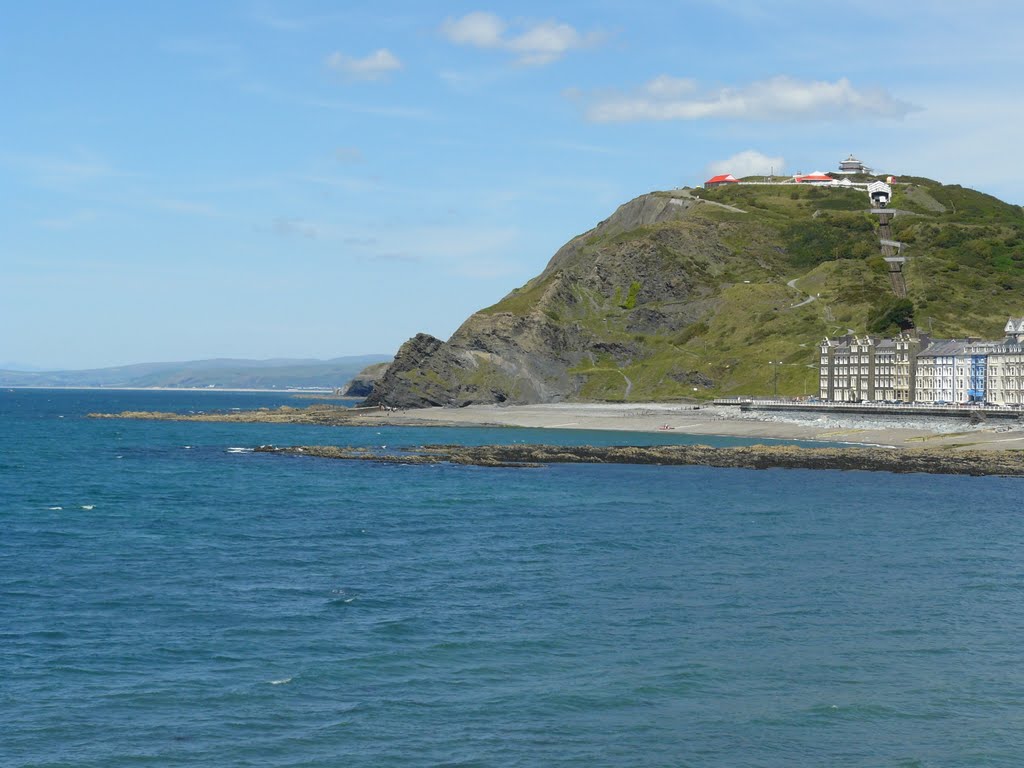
pixel 522 300
pixel 965 270
pixel 630 302
pixel 892 316
pixel 666 301
pixel 829 237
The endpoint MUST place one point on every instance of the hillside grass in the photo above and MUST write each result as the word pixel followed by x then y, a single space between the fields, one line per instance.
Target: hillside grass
pixel 965 275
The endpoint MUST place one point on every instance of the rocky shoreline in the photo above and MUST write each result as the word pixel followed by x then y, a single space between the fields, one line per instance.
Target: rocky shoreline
pixel 321 415
pixel 944 462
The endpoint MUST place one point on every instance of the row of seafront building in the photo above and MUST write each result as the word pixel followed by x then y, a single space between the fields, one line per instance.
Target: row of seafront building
pixel 914 368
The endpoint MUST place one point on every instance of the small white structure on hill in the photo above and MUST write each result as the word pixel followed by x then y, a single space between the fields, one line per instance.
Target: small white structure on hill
pixel 880 193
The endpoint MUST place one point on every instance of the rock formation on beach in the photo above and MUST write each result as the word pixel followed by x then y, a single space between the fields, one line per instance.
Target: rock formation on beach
pixel 1009 463
pixel 691 292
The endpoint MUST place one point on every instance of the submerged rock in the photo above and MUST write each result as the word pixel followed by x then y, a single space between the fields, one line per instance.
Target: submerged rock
pixel 1009 463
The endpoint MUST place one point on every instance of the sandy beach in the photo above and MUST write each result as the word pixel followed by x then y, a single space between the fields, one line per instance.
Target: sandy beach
pixel 894 431
pixel 926 432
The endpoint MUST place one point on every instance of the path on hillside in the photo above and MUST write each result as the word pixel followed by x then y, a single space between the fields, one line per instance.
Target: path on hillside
pixel 732 208
pixel 629 386
pixel 808 300
pixel 687 194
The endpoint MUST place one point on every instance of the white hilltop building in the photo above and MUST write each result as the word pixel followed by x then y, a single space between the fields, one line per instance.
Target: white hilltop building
pixel 852 165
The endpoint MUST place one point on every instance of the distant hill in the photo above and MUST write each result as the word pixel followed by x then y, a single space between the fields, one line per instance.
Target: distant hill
pixel 222 373
pixel 697 293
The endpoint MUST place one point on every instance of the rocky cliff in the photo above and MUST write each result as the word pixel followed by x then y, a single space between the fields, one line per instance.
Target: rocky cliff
pixel 693 292
pixel 362 384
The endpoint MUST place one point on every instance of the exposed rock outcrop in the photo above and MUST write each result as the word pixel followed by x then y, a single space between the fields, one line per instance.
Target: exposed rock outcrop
pixel 1010 463
pixel 536 344
pixel 362 384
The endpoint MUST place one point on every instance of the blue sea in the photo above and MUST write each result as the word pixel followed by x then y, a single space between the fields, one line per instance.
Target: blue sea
pixel 168 598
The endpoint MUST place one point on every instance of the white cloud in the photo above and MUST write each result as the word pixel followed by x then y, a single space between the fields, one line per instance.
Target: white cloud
pixel 668 98
pixel 372 67
pixel 545 43
pixel 668 87
pixel 479 29
pixel 534 44
pixel 750 162
pixel 287 227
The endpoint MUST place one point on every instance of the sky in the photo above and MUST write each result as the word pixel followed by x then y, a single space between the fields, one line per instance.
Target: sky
pixel 257 179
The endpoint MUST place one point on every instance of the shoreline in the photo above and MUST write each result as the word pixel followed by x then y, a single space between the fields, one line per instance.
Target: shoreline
pixel 724 421
pixel 692 420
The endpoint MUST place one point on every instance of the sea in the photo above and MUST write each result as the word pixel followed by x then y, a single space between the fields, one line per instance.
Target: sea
pixel 170 598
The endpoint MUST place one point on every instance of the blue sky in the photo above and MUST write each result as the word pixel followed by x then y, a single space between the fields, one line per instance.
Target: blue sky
pixel 314 179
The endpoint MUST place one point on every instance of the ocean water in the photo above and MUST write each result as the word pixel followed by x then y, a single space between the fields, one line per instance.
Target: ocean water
pixel 168 601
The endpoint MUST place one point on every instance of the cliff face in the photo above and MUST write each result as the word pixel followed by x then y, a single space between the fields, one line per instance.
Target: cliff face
pixel 362 384
pixel 691 292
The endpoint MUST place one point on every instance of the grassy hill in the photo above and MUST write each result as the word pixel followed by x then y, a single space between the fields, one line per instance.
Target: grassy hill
pixel 704 293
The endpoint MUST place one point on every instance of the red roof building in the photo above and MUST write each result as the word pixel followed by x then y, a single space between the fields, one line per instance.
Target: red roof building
pixel 814 178
pixel 724 178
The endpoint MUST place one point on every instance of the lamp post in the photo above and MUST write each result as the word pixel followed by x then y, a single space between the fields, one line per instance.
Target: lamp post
pixel 775 378
pixel 807 379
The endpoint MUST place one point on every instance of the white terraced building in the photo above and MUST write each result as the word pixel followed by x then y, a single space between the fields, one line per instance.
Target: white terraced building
pixel 936 371
pixel 1004 373
pixel 1004 370
pixel 858 368
pixel 914 368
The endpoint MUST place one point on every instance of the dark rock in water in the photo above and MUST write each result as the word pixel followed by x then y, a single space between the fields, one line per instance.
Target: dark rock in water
pixel 1009 463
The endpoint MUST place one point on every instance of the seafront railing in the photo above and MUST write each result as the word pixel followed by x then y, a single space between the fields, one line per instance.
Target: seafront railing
pixel 918 409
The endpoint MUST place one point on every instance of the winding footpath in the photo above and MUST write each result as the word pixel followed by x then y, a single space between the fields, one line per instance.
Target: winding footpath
pixel 810 297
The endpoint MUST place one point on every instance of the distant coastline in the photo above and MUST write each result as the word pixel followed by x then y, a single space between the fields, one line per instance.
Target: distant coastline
pixel 313 392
